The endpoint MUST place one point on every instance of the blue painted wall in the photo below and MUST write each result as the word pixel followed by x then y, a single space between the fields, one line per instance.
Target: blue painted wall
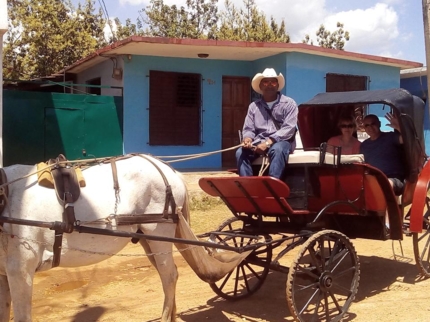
pixel 304 75
pixel 136 103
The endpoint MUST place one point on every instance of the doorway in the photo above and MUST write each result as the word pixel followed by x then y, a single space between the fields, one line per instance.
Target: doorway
pixel 236 97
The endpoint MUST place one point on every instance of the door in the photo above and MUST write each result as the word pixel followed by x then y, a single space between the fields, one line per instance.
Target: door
pixel 236 97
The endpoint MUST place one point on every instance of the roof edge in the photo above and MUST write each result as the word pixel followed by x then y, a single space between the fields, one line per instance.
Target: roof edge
pixel 289 47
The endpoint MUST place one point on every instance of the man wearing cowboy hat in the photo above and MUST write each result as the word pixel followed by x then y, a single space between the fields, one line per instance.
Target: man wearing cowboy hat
pixel 270 125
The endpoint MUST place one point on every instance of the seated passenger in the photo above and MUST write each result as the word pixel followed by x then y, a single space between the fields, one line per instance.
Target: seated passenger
pixel 270 126
pixel 348 143
pixel 383 150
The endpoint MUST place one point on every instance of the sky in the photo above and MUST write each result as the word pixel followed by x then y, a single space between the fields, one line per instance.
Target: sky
pixel 389 28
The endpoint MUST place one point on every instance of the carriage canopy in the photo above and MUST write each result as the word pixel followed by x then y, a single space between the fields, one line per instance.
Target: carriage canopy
pixel 318 118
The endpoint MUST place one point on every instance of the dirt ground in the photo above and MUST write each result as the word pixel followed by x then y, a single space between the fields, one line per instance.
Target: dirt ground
pixel 127 288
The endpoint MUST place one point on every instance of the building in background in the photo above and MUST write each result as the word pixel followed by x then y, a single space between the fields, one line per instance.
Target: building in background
pixel 185 96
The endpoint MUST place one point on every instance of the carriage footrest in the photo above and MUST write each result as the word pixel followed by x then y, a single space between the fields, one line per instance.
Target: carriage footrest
pixel 406 230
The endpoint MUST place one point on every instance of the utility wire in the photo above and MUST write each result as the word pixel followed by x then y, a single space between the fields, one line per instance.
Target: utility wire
pixel 104 9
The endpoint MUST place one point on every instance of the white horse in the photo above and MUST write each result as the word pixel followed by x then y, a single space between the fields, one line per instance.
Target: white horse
pixel 25 250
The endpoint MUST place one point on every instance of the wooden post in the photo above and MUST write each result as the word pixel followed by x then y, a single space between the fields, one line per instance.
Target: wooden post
pixel 426 8
pixel 3 29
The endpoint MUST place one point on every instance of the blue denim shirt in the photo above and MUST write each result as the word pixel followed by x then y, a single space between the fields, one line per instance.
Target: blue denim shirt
pixel 259 126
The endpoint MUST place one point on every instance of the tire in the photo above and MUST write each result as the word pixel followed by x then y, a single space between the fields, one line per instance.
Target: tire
pixel 421 242
pixel 250 274
pixel 323 279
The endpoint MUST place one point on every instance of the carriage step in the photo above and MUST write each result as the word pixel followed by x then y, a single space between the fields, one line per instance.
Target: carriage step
pixel 406 230
pixel 316 225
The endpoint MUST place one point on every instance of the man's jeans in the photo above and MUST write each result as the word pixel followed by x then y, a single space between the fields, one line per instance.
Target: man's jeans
pixel 278 155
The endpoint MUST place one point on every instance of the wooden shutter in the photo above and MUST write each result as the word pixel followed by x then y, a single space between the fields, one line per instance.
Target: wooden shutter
pixel 345 83
pixel 174 108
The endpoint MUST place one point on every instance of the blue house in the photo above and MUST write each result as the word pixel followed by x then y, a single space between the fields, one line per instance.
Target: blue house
pixel 184 96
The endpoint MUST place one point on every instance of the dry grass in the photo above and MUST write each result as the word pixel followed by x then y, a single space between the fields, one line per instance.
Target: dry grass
pixel 207 213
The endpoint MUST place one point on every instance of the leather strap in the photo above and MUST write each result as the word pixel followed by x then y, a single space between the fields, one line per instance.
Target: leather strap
pixel 114 174
pixel 170 200
pixel 58 241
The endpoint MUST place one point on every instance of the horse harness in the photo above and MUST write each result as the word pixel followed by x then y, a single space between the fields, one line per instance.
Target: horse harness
pixel 68 191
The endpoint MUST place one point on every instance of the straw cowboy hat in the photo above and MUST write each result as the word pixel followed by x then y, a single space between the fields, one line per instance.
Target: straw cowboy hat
pixel 268 73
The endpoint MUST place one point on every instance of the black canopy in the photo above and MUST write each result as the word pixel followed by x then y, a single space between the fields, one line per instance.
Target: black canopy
pixel 318 117
pixel 396 97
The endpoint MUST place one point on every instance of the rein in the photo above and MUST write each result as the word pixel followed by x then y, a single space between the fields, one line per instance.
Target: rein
pixel 195 156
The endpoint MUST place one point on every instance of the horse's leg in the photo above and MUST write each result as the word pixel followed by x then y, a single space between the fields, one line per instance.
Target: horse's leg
pixel 169 275
pixel 5 299
pixel 148 252
pixel 161 256
pixel 20 269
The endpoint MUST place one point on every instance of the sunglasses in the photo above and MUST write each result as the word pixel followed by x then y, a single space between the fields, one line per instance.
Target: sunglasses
pixel 269 81
pixel 346 126
pixel 370 124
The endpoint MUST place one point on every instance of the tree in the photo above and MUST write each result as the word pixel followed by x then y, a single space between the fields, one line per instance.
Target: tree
pixel 327 39
pixel 127 30
pixel 198 20
pixel 254 26
pixel 47 35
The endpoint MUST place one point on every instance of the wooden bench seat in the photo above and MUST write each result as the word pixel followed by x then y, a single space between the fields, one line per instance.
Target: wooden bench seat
pixel 251 195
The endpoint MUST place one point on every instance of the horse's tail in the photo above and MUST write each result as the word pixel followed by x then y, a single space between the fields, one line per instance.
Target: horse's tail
pixel 186 205
pixel 209 268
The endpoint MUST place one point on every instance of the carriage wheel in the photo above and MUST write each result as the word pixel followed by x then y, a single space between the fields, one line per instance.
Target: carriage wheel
pixel 421 243
pixel 250 274
pixel 323 279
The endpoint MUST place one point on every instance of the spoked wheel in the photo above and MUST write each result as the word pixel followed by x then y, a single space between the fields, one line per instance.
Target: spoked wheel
pixel 250 274
pixel 323 279
pixel 421 243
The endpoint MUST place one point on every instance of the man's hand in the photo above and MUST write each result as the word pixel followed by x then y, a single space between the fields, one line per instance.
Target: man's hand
pixel 247 143
pixel 394 121
pixel 262 148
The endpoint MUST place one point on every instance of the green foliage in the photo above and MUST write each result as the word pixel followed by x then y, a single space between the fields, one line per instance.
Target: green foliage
pixel 127 30
pixel 327 39
pixel 199 20
pixel 47 35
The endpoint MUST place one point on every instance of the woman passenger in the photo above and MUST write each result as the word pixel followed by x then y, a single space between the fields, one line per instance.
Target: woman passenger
pixel 348 143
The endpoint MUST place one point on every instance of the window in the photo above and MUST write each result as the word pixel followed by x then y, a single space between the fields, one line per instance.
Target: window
pixel 174 108
pixel 345 83
pixel 94 90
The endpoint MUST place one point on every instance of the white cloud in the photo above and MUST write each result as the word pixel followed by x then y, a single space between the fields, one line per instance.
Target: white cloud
pixel 107 29
pixel 297 16
pixel 372 30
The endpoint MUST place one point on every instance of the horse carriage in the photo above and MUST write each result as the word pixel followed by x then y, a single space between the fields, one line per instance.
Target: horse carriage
pixel 325 200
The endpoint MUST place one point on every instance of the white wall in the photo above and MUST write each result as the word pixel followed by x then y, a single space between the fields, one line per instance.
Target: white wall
pixel 104 71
